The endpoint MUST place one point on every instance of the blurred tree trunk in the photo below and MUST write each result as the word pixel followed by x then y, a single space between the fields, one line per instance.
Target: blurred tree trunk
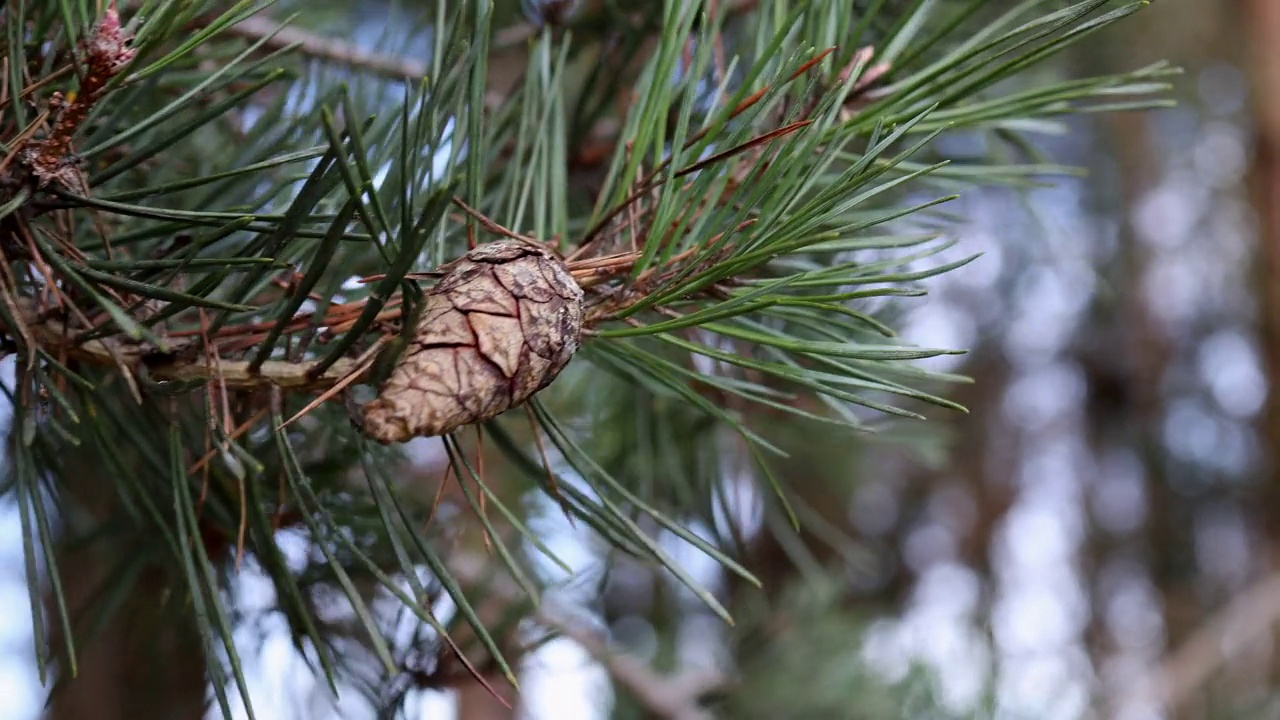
pixel 475 702
pixel 147 662
pixel 134 669
pixel 1128 399
pixel 1260 24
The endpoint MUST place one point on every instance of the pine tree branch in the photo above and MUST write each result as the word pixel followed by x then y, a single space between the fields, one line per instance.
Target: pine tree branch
pixel 183 362
pixel 55 337
pixel 676 696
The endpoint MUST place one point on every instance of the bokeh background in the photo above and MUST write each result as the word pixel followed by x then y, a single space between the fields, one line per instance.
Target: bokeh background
pixel 1098 538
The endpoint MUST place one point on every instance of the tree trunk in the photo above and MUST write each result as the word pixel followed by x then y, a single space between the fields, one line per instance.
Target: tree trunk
pixel 475 702
pixel 147 660
pixel 141 666
pixel 1260 25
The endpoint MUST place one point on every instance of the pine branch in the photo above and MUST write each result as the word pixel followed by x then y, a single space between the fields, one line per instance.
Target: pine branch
pixel 676 696
pixel 52 336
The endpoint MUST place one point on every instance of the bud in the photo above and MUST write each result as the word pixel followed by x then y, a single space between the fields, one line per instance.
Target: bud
pixel 500 326
pixel 106 50
pixel 106 53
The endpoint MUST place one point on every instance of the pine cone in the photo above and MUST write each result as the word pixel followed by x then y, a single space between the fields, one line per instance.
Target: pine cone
pixel 499 327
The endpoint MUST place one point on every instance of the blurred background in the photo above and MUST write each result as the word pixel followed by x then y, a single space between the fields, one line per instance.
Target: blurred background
pixel 1098 538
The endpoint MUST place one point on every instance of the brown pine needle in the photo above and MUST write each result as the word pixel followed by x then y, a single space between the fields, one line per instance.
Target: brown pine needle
pixel 618 260
pixel 363 363
pixel 754 97
pixel 806 66
pixel 593 271
pixel 419 275
pixel 435 502
pixel 552 484
pixel 754 142
pixel 244 520
pixel 17 142
pixel 219 382
pixel 234 435
pixel 384 316
pixel 439 496
pixel 278 517
pixel 682 256
pixel 641 192
pixel 748 101
pixel 479 478
pixel 491 226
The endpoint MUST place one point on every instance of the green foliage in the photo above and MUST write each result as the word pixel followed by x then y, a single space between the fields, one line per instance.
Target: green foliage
pixel 764 199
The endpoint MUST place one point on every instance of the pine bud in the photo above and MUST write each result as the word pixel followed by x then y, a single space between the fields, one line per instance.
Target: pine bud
pixel 500 326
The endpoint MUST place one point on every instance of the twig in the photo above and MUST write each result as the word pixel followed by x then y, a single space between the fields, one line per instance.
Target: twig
pixel 494 227
pixel 258 27
pixel 53 333
pixel 673 697
pixel 1248 617
pixel 320 47
pixel 41 329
